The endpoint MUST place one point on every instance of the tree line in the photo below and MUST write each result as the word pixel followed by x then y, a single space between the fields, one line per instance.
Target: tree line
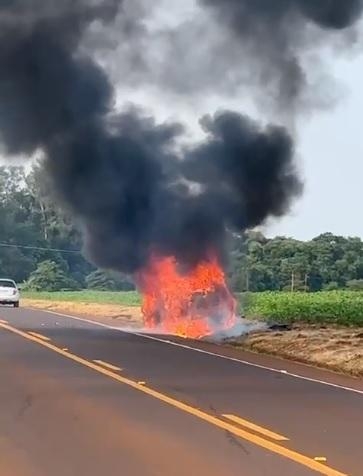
pixel 326 262
pixel 40 246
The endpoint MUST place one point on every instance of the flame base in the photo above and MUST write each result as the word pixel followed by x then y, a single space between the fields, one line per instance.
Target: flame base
pixel 193 304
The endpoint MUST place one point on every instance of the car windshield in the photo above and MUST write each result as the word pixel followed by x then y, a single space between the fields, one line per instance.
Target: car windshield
pixel 6 284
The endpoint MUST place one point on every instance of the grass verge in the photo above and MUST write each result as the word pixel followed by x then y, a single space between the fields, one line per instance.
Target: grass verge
pixel 336 348
pixel 131 298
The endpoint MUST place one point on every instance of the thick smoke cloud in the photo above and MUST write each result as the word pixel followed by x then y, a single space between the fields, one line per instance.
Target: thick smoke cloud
pixel 45 91
pixel 252 166
pixel 118 173
pixel 245 174
pixel 274 53
pixel 277 35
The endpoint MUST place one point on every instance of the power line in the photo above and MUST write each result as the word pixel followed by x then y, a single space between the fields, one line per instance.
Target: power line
pixel 38 248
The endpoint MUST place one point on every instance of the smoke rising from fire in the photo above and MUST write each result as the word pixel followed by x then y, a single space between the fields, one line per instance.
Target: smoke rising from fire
pixel 273 53
pixel 118 173
pixel 277 35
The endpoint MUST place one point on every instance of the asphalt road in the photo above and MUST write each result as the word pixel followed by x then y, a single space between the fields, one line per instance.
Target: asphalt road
pixel 80 399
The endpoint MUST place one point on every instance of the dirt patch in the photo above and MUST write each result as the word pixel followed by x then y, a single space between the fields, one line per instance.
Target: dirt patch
pixel 111 314
pixel 338 349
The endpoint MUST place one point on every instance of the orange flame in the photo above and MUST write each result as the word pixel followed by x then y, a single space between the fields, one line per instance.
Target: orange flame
pixel 192 304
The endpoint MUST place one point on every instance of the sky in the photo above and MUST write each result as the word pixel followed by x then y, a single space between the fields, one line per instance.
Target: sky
pixel 330 149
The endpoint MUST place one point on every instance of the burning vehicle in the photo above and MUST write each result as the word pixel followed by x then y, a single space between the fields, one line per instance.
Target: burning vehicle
pixel 192 303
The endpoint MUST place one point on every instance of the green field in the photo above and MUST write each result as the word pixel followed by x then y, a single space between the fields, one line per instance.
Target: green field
pixel 338 307
pixel 131 298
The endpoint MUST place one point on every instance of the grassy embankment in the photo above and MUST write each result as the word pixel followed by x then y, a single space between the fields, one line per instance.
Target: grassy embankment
pixel 326 331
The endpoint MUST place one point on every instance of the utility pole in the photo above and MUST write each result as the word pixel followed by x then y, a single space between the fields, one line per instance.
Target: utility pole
pixel 292 281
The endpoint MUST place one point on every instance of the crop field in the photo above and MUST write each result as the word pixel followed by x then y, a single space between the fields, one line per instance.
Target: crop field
pixel 333 307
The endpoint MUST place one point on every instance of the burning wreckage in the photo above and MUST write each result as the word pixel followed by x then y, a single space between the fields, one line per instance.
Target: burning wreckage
pixel 160 215
pixel 192 304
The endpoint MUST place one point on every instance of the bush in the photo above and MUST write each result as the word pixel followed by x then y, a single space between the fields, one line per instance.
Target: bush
pixel 339 307
pixel 355 285
pixel 49 276
pixel 332 286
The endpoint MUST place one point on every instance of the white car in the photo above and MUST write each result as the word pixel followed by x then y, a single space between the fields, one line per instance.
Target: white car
pixel 9 292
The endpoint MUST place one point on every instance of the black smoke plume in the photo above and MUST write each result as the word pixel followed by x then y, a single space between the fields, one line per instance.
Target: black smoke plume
pixel 119 174
pixel 276 36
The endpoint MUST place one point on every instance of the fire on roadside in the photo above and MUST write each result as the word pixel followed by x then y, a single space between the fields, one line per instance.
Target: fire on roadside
pixel 193 303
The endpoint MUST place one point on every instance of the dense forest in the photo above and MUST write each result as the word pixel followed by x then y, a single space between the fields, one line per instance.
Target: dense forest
pixel 325 263
pixel 39 246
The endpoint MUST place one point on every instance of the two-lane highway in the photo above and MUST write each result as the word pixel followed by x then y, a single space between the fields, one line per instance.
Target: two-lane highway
pixel 79 398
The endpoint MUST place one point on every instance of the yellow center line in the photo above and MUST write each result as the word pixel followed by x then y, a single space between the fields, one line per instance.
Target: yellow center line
pixel 39 336
pixel 107 365
pixel 256 428
pixel 257 440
